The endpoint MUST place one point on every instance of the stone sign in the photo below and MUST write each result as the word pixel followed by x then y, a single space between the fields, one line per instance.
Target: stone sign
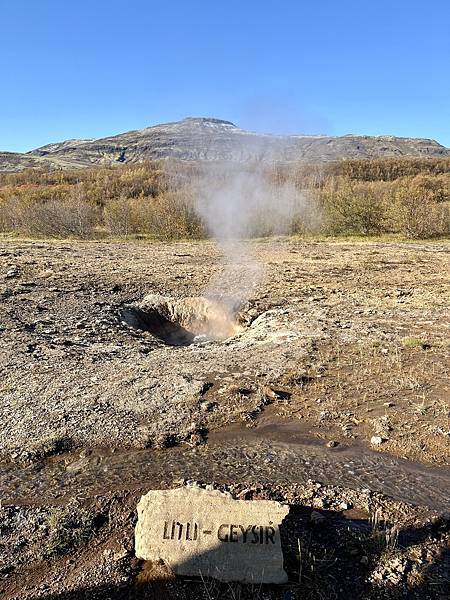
pixel 209 534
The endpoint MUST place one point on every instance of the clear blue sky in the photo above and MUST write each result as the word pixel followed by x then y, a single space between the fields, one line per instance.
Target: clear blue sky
pixel 93 68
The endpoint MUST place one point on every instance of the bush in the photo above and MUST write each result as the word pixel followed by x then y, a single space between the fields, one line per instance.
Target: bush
pixel 410 196
pixel 352 207
pixel 119 217
pixel 54 218
pixel 170 216
pixel 423 209
pixel 69 218
pixel 390 169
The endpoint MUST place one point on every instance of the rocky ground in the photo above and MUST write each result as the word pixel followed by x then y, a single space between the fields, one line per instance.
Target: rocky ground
pixel 346 342
pixel 337 543
pixel 351 339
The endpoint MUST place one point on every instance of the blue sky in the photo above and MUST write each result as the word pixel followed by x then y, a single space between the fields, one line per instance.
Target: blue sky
pixel 94 68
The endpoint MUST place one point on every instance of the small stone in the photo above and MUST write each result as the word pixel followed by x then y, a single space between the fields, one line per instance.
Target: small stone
pixel 376 440
pixel 207 406
pixel 319 503
pixel 388 404
pixel 120 554
pixel 12 273
pixel 195 439
pixel 332 444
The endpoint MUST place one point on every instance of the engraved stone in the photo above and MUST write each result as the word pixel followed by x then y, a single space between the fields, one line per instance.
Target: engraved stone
pixel 207 533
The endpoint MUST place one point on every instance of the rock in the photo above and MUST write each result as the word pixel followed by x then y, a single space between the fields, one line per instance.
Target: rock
pixel 207 533
pixel 319 502
pixel 332 444
pixel 376 440
pixel 164 440
pixel 12 273
pixel 120 554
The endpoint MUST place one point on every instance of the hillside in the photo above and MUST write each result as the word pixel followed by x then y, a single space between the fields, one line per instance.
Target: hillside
pixel 15 161
pixel 195 139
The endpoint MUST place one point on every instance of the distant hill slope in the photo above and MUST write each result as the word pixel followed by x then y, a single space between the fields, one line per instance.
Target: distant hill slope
pixel 15 161
pixel 208 139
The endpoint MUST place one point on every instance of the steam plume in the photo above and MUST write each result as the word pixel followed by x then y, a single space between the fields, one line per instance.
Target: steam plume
pixel 238 201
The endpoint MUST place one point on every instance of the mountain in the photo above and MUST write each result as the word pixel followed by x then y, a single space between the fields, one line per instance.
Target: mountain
pixel 208 139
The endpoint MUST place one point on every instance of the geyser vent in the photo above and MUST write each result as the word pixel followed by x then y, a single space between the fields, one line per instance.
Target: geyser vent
pixel 182 322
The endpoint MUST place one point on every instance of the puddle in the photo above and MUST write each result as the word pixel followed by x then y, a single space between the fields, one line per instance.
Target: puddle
pixel 273 452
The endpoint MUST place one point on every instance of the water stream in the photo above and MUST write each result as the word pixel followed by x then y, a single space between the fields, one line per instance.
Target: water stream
pixel 274 452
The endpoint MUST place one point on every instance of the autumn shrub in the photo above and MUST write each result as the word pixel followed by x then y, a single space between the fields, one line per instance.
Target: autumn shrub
pixel 68 218
pixel 10 214
pixel 170 215
pixel 352 207
pixel 52 218
pixel 404 195
pixel 120 218
pixel 422 207
pixel 290 213
pixel 390 168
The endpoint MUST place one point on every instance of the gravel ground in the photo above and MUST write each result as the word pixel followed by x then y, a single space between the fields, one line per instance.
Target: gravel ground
pixel 351 544
pixel 346 341
pixel 350 338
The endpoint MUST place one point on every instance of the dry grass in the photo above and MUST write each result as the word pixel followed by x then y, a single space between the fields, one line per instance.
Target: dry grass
pixel 397 392
pixel 383 536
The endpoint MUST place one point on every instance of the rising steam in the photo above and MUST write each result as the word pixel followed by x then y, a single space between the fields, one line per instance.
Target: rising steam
pixel 241 191
pixel 241 201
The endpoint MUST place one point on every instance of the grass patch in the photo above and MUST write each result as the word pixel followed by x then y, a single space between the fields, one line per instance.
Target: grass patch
pixel 412 342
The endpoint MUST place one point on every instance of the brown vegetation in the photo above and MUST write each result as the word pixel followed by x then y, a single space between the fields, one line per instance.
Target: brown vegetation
pixel 408 196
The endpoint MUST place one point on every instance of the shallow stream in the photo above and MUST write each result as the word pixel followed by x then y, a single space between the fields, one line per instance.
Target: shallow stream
pixel 275 451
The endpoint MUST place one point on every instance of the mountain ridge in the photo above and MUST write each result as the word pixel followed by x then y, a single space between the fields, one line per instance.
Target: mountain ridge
pixel 212 139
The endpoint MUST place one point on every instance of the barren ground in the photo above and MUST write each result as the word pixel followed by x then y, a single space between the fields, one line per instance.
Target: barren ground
pixel 346 341
pixel 351 337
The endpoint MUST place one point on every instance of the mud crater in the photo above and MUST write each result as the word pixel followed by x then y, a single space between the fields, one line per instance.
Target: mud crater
pixel 185 321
